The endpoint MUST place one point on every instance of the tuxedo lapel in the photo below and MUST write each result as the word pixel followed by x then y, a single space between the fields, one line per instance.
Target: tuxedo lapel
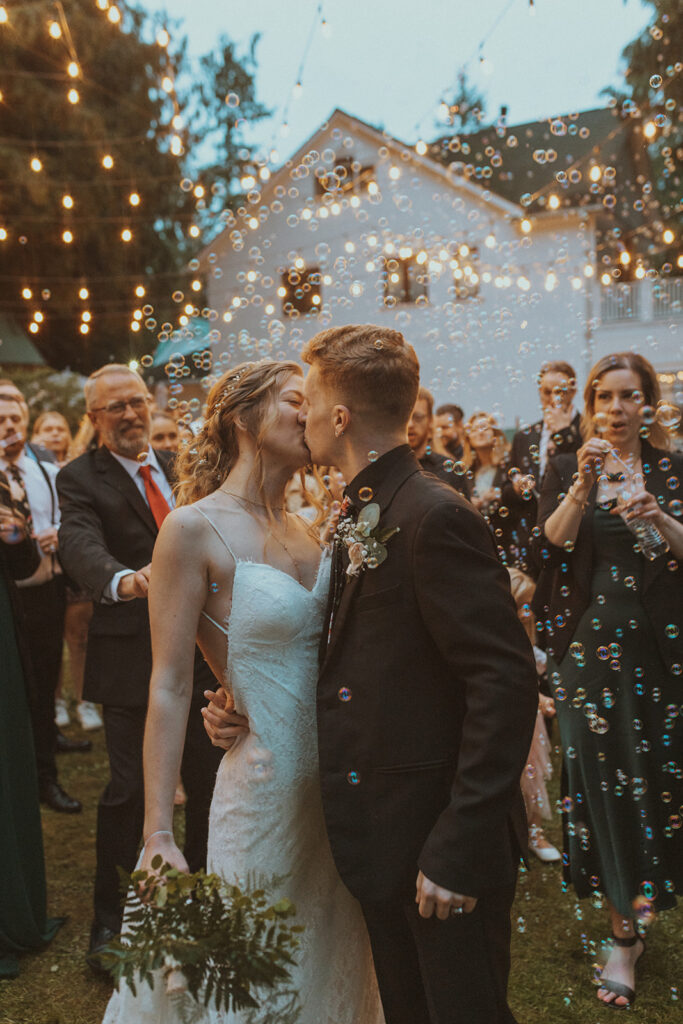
pixel 114 475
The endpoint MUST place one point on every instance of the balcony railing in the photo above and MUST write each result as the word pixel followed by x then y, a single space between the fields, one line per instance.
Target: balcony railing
pixel 619 302
pixel 641 301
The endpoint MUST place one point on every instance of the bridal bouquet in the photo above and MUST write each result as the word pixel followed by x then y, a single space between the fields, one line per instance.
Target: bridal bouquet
pixel 212 943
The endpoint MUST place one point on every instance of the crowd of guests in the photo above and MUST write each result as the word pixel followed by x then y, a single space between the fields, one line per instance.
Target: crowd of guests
pixel 566 499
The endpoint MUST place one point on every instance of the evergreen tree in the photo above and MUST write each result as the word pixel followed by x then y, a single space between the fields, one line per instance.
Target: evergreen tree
pixel 466 108
pixel 88 90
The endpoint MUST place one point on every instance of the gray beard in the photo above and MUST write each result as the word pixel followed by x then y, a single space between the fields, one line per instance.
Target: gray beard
pixel 130 448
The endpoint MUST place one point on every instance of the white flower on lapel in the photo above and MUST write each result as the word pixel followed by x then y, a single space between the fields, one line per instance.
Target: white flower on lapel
pixel 364 542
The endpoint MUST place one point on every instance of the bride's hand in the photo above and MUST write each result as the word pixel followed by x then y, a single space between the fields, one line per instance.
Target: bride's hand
pixel 222 723
pixel 160 844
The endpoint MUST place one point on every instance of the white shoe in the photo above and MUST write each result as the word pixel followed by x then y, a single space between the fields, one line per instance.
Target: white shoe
pixel 61 713
pixel 88 716
pixel 543 849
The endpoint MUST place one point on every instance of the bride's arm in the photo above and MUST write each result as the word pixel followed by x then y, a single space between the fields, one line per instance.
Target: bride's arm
pixel 177 594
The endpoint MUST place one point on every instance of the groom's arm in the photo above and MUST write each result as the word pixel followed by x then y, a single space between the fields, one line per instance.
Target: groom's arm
pixel 464 597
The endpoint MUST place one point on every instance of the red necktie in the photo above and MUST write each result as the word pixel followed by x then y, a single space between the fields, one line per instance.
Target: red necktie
pixel 157 503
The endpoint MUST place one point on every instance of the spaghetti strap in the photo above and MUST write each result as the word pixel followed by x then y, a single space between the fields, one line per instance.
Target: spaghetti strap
pixel 213 622
pixel 218 534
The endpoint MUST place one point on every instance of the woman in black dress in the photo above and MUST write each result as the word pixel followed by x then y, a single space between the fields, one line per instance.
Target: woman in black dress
pixel 612 620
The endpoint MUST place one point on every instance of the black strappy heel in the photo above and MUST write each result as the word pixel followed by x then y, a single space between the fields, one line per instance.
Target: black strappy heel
pixel 615 987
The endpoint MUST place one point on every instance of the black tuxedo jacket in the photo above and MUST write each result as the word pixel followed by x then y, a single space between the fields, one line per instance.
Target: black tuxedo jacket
pixel 564 586
pixel 107 526
pixel 436 464
pixel 427 698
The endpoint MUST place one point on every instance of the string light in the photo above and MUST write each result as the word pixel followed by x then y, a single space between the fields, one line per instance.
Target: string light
pixel 553 201
pixel 67 202
pixel 67 237
pixel 26 293
pixel 36 164
pixel 84 328
pixel 606 279
pixel 649 130
pixel 114 15
pixel 107 162
pixel 134 199
pixel 73 69
pixel 525 225
pixel 73 96
pixel 33 327
pixel 668 236
pixel 163 38
pixel 55 29
pixel 595 173
pixel 4 16
pixel 3 235
pixel 126 235
pixel 86 316
pixel 420 147
pixel 140 291
pixel 38 317
pixel 83 294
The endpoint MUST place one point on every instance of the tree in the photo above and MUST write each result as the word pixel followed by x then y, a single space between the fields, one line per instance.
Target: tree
pixel 95 238
pixel 467 107
pixel 654 84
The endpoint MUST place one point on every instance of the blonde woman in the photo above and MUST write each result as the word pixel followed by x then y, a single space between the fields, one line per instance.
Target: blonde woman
pixel 236 572
pixel 484 456
pixel 52 431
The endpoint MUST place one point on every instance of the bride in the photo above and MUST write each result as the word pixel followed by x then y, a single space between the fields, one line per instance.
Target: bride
pixel 246 580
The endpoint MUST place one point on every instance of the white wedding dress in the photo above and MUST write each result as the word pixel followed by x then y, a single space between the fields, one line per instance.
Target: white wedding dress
pixel 266 814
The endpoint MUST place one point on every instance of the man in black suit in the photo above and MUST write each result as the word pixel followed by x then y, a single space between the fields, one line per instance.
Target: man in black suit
pixel 450 429
pixel 421 438
pixel 557 433
pixel 113 500
pixel 427 697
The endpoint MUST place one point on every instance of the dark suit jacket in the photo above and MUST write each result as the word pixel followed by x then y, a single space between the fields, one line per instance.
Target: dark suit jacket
pixel 436 464
pixel 564 586
pixel 107 526
pixel 523 512
pixel 443 700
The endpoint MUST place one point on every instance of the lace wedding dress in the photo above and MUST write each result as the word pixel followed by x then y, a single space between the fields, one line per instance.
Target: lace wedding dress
pixel 266 814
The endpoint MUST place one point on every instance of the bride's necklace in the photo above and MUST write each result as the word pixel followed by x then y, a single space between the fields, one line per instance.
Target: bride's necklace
pixel 268 533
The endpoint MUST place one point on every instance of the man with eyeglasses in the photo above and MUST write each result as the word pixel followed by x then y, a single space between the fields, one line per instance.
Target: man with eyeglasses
pixel 113 500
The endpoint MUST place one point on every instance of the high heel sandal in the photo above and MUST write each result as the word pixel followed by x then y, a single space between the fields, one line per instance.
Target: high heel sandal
pixel 616 988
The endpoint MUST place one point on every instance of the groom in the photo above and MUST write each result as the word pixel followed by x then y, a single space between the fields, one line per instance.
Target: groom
pixel 427 697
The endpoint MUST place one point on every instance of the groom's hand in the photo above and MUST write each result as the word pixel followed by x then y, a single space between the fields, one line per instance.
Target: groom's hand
pixel 431 897
pixel 221 722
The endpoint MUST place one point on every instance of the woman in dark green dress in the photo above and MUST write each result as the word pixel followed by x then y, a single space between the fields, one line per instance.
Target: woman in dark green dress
pixel 612 619
pixel 23 922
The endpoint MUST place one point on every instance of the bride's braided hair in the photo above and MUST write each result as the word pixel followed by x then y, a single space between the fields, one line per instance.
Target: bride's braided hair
pixel 249 390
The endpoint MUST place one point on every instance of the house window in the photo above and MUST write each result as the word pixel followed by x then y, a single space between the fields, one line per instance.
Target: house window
pixel 405 280
pixel 347 175
pixel 300 291
pixel 466 273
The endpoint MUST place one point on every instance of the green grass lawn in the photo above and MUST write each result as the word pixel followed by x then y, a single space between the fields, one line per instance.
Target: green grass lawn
pixel 554 943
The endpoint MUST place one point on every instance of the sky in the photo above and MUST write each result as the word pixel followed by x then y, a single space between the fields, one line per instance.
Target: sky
pixel 389 62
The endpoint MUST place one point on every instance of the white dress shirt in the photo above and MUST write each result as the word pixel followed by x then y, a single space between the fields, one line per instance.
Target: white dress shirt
pixel 42 499
pixel 110 594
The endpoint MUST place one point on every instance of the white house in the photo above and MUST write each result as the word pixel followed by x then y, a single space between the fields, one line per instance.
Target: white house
pixel 359 227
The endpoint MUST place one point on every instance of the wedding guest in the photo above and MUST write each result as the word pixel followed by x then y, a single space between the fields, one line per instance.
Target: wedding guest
pixel 538 769
pixel 420 438
pixel 51 430
pixel 555 433
pixel 612 620
pixel 114 498
pixel 24 925
pixel 484 455
pixel 9 390
pixel 449 426
pixel 42 598
pixel 164 434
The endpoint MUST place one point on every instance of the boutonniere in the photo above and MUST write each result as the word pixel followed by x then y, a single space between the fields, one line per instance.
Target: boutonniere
pixel 363 540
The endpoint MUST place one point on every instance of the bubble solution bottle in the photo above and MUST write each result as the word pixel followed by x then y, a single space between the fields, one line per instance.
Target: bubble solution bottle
pixel 651 542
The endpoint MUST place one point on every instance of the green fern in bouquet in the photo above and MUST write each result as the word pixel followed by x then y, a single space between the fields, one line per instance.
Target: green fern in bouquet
pixel 211 943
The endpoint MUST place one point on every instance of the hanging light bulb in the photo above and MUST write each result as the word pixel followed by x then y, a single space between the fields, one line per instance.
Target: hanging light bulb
pixel 73 96
pixel 73 69
pixel 67 237
pixel 163 38
pixel 26 293
pixel 83 294
pixel 84 328
pixel 36 164
pixel 134 199
pixel 553 201
pixel 140 291
pixel 114 15
pixel 55 29
pixel 4 16
pixel 67 202
pixel 126 235
pixel 3 235
pixel 107 162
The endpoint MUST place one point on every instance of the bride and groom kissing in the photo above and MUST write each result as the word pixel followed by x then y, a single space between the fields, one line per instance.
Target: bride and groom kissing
pixel 377 700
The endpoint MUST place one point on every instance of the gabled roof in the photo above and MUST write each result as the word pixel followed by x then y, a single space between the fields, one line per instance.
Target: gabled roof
pixel 16 348
pixel 522 161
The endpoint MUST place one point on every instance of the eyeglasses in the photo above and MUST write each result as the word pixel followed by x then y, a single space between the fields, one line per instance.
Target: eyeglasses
pixel 137 404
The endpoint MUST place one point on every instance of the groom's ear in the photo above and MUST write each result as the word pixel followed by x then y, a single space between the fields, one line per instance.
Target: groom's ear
pixel 341 419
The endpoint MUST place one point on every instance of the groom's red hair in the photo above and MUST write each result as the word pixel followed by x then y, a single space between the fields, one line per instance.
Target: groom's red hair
pixel 372 369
